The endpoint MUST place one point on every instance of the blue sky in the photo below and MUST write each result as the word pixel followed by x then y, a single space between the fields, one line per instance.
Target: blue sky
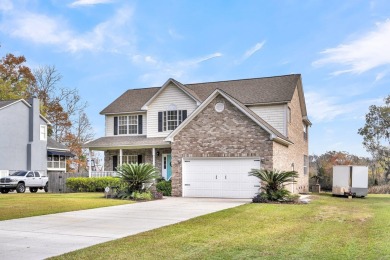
pixel 103 48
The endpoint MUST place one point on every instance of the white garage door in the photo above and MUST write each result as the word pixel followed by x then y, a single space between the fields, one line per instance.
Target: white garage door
pixel 220 177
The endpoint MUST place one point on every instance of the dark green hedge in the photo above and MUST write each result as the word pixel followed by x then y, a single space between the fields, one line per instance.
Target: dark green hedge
pixel 82 184
pixel 165 187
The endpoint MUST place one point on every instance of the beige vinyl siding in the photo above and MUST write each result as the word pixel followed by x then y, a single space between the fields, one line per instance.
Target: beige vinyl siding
pixel 275 115
pixel 171 95
pixel 110 123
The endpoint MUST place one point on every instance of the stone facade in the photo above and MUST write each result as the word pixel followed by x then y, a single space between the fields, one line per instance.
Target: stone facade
pixel 292 157
pixel 227 134
pixel 146 156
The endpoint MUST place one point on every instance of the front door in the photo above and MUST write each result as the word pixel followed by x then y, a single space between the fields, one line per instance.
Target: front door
pixel 166 166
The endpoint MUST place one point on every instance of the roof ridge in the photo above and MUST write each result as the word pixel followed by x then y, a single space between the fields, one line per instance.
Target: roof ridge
pixel 286 75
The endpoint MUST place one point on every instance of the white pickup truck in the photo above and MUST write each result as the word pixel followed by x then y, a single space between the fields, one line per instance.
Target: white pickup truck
pixel 21 179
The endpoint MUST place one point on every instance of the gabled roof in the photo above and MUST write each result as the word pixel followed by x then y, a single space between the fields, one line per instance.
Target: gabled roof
pixel 7 103
pixel 189 92
pixel 275 134
pixel 130 101
pixel 268 90
pixel 54 145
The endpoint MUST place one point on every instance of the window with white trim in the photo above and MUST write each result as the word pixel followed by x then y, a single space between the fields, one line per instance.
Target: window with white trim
pixel 127 125
pixel 43 133
pixel 171 119
pixel 129 159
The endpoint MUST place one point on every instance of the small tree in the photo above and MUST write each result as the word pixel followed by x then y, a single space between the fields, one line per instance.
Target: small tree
pixel 273 182
pixel 376 135
pixel 135 175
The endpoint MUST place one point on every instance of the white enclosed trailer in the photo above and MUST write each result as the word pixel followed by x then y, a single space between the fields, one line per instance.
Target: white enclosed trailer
pixel 350 180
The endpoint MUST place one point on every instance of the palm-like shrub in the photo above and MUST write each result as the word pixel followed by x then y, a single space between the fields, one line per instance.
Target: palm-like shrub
pixel 273 182
pixel 137 176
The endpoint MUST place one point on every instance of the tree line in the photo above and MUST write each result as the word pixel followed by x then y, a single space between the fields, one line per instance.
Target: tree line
pixel 62 106
pixel 376 140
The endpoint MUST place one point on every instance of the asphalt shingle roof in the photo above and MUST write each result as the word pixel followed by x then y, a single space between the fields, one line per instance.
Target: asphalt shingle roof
pixel 4 103
pixel 54 145
pixel 131 100
pixel 118 141
pixel 247 91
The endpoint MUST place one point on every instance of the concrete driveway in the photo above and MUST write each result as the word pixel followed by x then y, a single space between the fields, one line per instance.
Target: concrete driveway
pixel 45 236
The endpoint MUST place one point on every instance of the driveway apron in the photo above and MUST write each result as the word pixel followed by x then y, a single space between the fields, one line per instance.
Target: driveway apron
pixel 50 235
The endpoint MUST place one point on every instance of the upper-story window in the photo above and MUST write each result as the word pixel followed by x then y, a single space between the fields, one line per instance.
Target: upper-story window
pixel 43 132
pixel 128 125
pixel 169 120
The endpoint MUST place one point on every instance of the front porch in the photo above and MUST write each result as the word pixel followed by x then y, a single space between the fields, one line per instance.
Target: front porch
pixel 127 149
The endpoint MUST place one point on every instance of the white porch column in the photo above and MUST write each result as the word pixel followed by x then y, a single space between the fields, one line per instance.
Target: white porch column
pixel 120 156
pixel 154 156
pixel 89 163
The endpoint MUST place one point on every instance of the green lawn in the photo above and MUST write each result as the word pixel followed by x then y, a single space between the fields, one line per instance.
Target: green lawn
pixel 327 228
pixel 20 205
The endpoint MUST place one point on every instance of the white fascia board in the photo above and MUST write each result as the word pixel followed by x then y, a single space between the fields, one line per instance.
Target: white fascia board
pixel 27 104
pixel 169 138
pixel 16 101
pixel 166 84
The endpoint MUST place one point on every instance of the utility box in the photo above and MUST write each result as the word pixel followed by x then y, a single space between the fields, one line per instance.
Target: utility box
pixel 350 180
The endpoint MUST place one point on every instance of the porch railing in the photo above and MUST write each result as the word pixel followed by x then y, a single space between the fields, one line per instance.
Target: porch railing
pixel 96 174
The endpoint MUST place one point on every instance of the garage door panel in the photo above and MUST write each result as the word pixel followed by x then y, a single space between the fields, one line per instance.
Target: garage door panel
pixel 220 177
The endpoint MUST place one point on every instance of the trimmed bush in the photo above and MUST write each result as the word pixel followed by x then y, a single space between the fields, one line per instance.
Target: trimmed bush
pixel 83 184
pixel 165 187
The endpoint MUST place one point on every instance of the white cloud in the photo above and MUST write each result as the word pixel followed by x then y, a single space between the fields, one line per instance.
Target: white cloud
pixel 89 2
pixel 37 28
pixel 159 71
pixel 174 34
pixel 370 51
pixel 327 108
pixel 205 58
pixel 6 5
pixel 253 50
pixel 110 35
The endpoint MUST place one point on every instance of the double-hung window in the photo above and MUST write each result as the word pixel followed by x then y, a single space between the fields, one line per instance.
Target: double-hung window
pixel 127 125
pixel 169 120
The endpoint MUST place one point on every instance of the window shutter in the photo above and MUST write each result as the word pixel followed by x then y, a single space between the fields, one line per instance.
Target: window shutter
pixel 140 124
pixel 184 114
pixel 139 158
pixel 115 125
pixel 160 121
pixel 114 162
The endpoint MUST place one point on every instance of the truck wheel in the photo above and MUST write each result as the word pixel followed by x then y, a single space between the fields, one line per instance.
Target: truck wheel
pixel 21 188
pixel 33 190
pixel 4 191
pixel 46 188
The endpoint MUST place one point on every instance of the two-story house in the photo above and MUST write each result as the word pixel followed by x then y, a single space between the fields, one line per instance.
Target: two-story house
pixel 206 137
pixel 24 144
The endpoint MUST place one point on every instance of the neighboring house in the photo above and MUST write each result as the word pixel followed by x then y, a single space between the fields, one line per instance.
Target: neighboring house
pixel 206 137
pixel 24 144
pixel 57 155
